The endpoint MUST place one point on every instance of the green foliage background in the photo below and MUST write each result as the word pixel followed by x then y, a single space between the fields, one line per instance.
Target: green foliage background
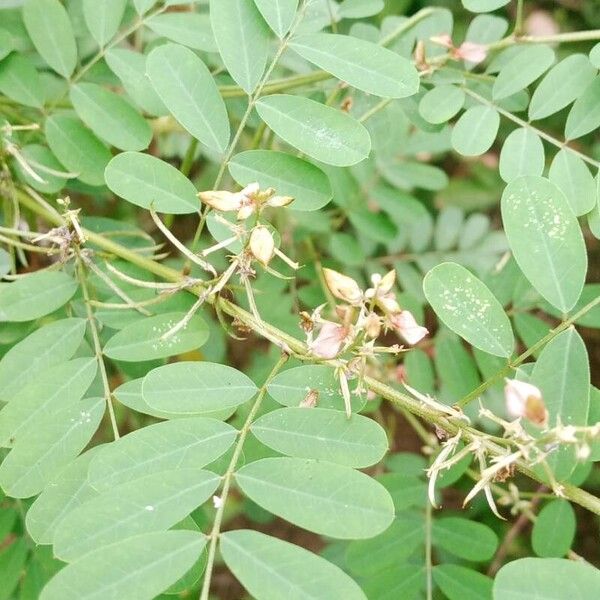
pixel 139 466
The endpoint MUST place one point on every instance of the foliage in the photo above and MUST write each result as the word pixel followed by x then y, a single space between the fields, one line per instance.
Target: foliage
pixel 198 355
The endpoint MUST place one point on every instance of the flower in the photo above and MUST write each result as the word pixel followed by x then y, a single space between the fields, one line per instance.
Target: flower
pixel 262 244
pixel 243 201
pixel 405 325
pixel 330 340
pixel 471 52
pixel 525 400
pixel 343 287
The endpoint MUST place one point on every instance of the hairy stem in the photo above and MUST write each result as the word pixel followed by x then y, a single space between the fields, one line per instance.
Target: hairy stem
pixel 227 478
pixel 284 340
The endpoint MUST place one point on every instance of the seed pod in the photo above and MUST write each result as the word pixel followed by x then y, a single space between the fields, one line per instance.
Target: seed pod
pixel 342 286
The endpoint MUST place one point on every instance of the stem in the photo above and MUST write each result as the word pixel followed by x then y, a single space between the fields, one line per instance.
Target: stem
pixel 519 19
pixel 81 276
pixel 227 478
pixel 552 140
pixel 188 159
pixel 428 558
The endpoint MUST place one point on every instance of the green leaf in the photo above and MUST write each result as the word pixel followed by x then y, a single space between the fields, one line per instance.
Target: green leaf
pixel 364 65
pixel 324 434
pixel 69 490
pixel 188 28
pixel 152 503
pixel 242 38
pixel 139 568
pixel 7 44
pixel 466 539
pixel 460 583
pixel 77 148
pixel 188 90
pixel 401 581
pixel 545 238
pixel 595 56
pixel 47 346
pixel 41 159
pixel 547 579
pixel 320 131
pixel 441 103
pixel 130 395
pixel 483 5
pixel 271 569
pixel 49 28
pixel 192 387
pixel 466 305
pixel 142 340
pixel 554 529
pixel 35 295
pixel 130 68
pixel 522 154
pixel 149 182
pixel 523 68
pixel 36 460
pixel 358 9
pixel 183 443
pixel 324 498
pixel 562 373
pixel 570 174
pixel 387 550
pixel 53 389
pixel 292 385
pixel 565 82
pixel 287 174
pixel 103 18
pixel 20 81
pixel 279 14
pixel 475 131
pixel 110 117
pixel 584 115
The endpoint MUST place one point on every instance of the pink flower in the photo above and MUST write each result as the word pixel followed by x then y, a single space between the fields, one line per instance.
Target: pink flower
pixel 471 52
pixel 329 341
pixel 405 325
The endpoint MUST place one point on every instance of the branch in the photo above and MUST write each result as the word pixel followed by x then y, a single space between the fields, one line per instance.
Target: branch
pixel 298 348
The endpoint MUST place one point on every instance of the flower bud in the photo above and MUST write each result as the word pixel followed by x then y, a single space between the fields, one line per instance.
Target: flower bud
pixel 388 303
pixel 223 201
pixel 342 286
pixel 372 325
pixel 525 400
pixel 262 244
pixel 279 201
pixel 329 341
pixel 405 325
pixel 387 282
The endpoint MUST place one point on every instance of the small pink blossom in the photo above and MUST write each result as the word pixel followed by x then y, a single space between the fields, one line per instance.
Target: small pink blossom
pixel 471 52
pixel 329 341
pixel 405 325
